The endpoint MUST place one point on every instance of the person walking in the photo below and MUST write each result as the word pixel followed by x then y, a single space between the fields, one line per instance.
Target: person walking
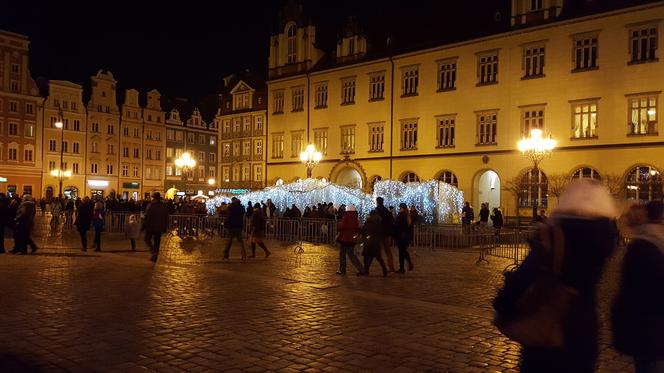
pixel 98 222
pixel 349 228
pixel 257 224
pixel 84 220
pixel 56 212
pixel 638 311
pixel 387 221
pixel 155 223
pixel 234 223
pixel 573 246
pixel 24 224
pixel 403 229
pixel 372 239
pixel 133 231
pixel 69 213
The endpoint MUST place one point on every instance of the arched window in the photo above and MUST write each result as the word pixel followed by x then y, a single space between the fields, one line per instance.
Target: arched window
pixel 279 182
pixel 586 173
pixel 448 177
pixel 644 183
pixel 410 177
pixel 534 190
pixel 291 35
pixel 373 181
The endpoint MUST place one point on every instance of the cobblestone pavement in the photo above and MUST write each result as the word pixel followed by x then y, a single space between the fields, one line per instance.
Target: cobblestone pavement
pixel 115 311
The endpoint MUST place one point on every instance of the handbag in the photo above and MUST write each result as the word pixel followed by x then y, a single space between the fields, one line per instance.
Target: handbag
pixel 542 309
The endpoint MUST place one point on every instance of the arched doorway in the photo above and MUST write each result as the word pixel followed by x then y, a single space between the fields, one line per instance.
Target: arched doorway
pixel 487 189
pixel 71 192
pixel 349 177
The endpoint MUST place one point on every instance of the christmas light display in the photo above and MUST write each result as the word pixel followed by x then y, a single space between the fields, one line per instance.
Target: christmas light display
pixel 436 201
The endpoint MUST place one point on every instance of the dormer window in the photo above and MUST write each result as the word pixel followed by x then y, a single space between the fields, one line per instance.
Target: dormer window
pixel 241 101
pixel 291 35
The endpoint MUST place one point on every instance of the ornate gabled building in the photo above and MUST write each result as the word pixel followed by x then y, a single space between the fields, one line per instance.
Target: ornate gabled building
pixel 583 73
pixel 186 131
pixel 154 145
pixel 103 136
pixel 64 102
pixel 20 119
pixel 242 133
pixel 131 147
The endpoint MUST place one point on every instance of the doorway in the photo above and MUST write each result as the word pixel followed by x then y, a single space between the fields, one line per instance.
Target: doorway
pixel 487 186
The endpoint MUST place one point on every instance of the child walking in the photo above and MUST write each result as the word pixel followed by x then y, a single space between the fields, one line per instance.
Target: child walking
pixel 133 230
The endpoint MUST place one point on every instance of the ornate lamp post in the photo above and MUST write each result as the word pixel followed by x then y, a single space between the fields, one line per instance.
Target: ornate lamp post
pixel 185 163
pixel 310 158
pixel 60 171
pixel 536 148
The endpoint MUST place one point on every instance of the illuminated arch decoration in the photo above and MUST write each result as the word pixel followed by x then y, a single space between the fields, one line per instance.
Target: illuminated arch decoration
pixel 436 201
pixel 348 163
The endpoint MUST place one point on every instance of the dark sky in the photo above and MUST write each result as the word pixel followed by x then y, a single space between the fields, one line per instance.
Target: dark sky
pixel 184 48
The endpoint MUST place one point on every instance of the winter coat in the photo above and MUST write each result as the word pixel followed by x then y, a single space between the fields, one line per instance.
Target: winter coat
pixel 638 310
pixel 257 224
pixel 235 217
pixel 387 220
pixel 372 236
pixel 98 219
pixel 25 216
pixel 497 219
pixel 348 228
pixel 133 230
pixel 588 244
pixel 84 216
pixel 156 217
pixel 468 215
pixel 484 215
pixel 403 231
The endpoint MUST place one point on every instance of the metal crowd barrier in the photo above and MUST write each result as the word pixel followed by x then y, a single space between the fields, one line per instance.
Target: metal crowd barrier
pixel 508 244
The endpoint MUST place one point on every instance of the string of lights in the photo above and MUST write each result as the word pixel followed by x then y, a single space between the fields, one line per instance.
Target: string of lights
pixel 436 201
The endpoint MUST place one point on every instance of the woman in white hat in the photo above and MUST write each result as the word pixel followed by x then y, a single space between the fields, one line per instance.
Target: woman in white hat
pixel 348 231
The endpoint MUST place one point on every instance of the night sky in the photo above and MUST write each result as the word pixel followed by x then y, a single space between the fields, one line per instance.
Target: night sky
pixel 186 49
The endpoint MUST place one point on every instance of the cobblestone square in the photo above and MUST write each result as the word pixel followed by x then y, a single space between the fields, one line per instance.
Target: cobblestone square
pixel 64 310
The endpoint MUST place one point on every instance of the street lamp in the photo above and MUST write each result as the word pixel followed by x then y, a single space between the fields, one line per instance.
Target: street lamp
pixel 60 125
pixel 185 163
pixel 310 158
pixel 211 181
pixel 536 148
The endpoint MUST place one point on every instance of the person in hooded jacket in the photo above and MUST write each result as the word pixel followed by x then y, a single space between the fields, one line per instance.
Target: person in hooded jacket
pixel 348 228
pixel 403 229
pixel 372 238
pixel 585 218
pixel 638 310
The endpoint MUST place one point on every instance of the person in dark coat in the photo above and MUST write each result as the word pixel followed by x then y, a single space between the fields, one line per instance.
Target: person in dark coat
pixel 638 310
pixel 155 223
pixel 84 220
pixel 403 229
pixel 4 214
pixel 24 224
pixel 484 215
pixel 497 220
pixel 250 209
pixel 348 228
pixel 234 223
pixel 467 217
pixel 585 217
pixel 372 238
pixel 257 223
pixel 98 222
pixel 387 221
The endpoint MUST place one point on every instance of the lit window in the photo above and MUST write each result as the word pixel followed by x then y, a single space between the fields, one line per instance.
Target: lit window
pixel 643 115
pixel 584 119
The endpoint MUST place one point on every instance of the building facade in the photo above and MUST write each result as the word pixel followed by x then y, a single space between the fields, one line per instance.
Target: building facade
pixel 131 147
pixel 103 136
pixel 154 145
pixel 64 103
pixel 242 136
pixel 456 111
pixel 198 138
pixel 20 119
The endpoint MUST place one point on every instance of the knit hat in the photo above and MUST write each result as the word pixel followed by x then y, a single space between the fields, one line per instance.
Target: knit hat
pixel 586 198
